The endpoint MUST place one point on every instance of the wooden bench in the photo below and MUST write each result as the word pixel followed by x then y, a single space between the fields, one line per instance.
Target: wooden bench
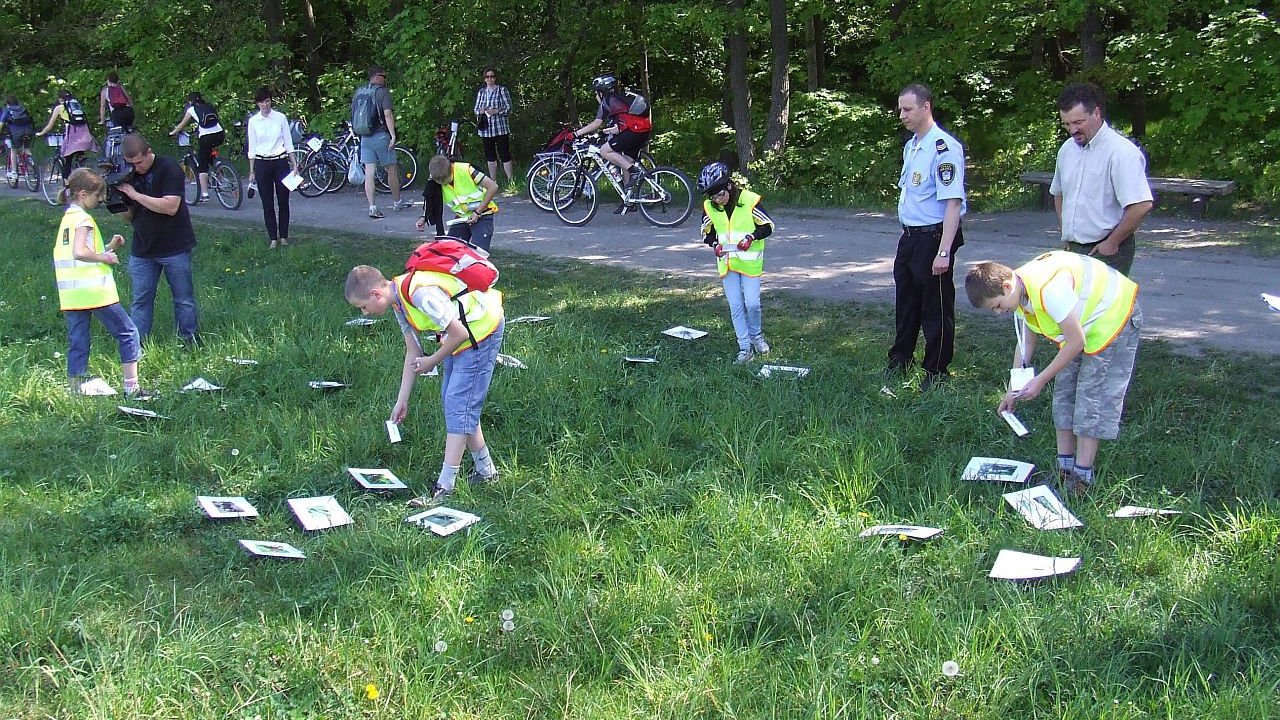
pixel 1198 190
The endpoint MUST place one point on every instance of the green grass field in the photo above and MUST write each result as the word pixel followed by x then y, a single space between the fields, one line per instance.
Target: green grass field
pixel 677 540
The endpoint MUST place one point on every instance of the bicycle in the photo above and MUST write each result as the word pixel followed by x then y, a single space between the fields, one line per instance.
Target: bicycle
pixel 25 168
pixel 58 167
pixel 550 163
pixel 327 166
pixel 663 194
pixel 224 181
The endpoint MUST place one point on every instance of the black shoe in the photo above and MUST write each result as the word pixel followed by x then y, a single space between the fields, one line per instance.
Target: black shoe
pixel 893 370
pixel 475 478
pixel 623 209
pixel 932 380
pixel 195 342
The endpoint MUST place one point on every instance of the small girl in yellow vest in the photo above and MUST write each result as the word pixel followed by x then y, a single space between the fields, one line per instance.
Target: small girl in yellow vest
pixel 86 287
pixel 735 224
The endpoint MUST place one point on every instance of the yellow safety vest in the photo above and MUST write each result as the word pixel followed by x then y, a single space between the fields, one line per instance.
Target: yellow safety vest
pixel 732 228
pixel 1108 297
pixel 82 285
pixel 463 195
pixel 481 312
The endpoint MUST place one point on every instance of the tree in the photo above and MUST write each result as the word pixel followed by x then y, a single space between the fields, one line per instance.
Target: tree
pixel 775 138
pixel 739 89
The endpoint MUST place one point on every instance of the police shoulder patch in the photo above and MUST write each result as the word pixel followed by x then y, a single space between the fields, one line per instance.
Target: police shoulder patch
pixel 946 172
pixel 941 146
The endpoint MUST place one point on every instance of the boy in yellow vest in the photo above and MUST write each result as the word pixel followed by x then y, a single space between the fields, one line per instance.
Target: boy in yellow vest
pixel 735 225
pixel 467 193
pixel 1091 311
pixel 469 330
pixel 86 288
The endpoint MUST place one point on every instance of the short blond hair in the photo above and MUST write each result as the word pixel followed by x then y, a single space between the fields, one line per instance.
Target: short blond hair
pixel 985 282
pixel 361 281
pixel 440 168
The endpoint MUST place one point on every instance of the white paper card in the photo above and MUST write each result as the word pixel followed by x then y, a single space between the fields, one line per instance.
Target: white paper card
pixel 292 180
pixel 97 387
pixel 325 385
pixel 988 469
pixel 639 360
pixel 219 507
pixel 1015 423
pixel 684 333
pixel 376 479
pixel 915 532
pixel 139 412
pixel 265 548
pixel 1042 508
pixel 433 372
pixel 241 361
pixel 200 385
pixel 528 319
pixel 1014 565
pixel 511 361
pixel 1133 511
pixel 393 432
pixel 784 370
pixel 1272 301
pixel 361 322
pixel 442 520
pixel 319 513
pixel 315 143
pixel 1019 377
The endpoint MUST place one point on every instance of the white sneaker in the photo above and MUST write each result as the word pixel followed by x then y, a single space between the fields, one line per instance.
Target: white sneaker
pixel 759 345
pixel 401 204
pixel 744 357
pixel 375 213
pixel 13 175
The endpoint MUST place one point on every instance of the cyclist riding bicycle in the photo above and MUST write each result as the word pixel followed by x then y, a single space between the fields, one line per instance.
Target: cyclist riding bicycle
pixel 627 125
pixel 78 137
pixel 17 122
pixel 115 106
pixel 209 135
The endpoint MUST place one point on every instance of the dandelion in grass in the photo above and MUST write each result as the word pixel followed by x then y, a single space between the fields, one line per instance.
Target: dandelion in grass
pixel 370 692
pixel 902 537
pixel 950 668
pixel 707 637
pixel 508 614
pixel 235 452
pixel 468 619
pixel 441 646
pixel 508 626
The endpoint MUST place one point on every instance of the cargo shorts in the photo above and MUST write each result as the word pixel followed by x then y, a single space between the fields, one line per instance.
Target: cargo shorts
pixel 1088 395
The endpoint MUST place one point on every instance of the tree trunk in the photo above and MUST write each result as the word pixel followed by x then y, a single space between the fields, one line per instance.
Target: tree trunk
pixel 739 91
pixel 775 138
pixel 313 62
pixel 1093 46
pixel 815 53
pixel 274 20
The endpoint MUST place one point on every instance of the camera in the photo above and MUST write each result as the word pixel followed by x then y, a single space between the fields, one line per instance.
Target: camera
pixel 115 176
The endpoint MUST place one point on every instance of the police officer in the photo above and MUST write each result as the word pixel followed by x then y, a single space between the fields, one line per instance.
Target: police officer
pixel 930 205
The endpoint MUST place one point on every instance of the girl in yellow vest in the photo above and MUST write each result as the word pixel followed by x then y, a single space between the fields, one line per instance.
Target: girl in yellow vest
pixel 1091 311
pixel 86 287
pixel 735 225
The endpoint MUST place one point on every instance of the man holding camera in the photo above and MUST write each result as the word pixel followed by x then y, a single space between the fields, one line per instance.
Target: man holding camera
pixel 163 239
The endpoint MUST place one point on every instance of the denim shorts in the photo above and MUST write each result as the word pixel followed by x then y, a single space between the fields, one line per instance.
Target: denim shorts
pixel 465 383
pixel 376 149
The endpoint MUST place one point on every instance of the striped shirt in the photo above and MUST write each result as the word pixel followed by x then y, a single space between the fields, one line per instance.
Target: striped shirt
pixel 495 97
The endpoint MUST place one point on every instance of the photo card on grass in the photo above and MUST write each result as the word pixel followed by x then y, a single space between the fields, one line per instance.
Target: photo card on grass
pixel 511 361
pixel 219 507
pixel 1020 566
pixel 267 548
pixel 442 520
pixel 528 319
pixel 914 532
pixel 989 469
pixel 240 361
pixel 319 513
pixel 767 371
pixel 377 479
pixel 1041 507
pixel 1136 511
pixel 681 332
pixel 361 321
pixel 141 413
pixel 201 385
pixel 325 385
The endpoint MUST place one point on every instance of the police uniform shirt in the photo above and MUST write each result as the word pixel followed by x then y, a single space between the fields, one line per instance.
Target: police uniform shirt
pixel 932 174
pixel 1097 181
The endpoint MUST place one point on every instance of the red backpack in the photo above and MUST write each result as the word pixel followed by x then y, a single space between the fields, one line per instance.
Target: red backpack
pixel 116 96
pixel 451 256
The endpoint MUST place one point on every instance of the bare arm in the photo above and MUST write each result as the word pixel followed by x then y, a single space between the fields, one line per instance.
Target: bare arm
pixel 412 352
pixel 84 253
pixel 950 225
pixel 1129 222
pixel 166 205
pixel 1073 345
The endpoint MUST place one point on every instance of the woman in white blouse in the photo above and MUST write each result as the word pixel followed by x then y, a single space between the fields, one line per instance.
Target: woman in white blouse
pixel 270 161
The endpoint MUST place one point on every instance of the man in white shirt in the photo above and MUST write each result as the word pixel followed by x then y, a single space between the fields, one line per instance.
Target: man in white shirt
pixel 1100 188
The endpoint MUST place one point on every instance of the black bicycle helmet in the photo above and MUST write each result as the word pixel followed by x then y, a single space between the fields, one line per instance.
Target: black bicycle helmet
pixel 604 83
pixel 713 178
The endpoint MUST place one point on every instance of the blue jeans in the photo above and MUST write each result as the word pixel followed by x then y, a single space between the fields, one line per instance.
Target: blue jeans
pixel 145 273
pixel 117 322
pixel 743 294
pixel 465 384
pixel 480 234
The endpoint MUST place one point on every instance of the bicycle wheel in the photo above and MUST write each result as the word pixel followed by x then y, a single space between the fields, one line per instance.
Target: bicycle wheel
pixel 574 197
pixel 665 197
pixel 13 174
pixel 32 173
pixel 52 180
pixel 541 177
pixel 407 167
pixel 340 164
pixel 191 186
pixel 316 175
pixel 226 185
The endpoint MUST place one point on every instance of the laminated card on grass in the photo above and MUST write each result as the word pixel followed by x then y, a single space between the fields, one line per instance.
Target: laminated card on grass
pixel 988 469
pixel 442 520
pixel 219 507
pixel 1020 566
pixel 1042 508
pixel 377 479
pixel 319 513
pixel 266 548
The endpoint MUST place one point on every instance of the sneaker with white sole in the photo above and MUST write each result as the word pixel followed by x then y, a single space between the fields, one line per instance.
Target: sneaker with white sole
pixel 759 345
pixel 401 204
pixel 375 213
pixel 438 495
pixel 744 356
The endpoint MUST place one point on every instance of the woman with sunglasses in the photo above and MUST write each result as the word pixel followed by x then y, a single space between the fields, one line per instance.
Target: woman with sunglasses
pixel 493 105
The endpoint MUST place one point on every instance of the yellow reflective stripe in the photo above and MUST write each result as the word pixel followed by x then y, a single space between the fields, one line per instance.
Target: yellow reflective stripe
pixel 83 284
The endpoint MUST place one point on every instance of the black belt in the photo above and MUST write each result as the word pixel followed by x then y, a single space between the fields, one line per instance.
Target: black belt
pixel 1123 240
pixel 273 157
pixel 921 229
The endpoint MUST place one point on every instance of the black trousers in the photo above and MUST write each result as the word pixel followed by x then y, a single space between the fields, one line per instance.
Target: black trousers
pixel 268 174
pixel 924 301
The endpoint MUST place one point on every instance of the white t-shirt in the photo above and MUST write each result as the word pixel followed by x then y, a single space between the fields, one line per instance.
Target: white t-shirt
pixel 1060 298
pixel 434 302
pixel 269 135
pixel 1097 182
pixel 201 130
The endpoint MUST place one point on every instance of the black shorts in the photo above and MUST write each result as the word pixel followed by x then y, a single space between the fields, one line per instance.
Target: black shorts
pixel 20 134
pixel 629 143
pixel 122 116
pixel 204 149
pixel 497 148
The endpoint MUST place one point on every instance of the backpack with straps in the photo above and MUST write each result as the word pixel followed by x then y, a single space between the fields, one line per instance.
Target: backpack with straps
pixel 18 115
pixel 365 118
pixel 116 96
pixel 206 114
pixel 75 112
pixel 457 258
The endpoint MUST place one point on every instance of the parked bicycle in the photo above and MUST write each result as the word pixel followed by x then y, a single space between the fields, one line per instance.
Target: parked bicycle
pixel 663 194
pixel 58 167
pixel 224 181
pixel 324 169
pixel 23 167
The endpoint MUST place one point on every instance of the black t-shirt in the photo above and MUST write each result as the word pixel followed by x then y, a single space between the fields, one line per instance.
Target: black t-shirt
pixel 156 234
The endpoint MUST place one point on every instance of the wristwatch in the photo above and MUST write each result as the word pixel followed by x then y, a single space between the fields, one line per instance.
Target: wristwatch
pixel 942 253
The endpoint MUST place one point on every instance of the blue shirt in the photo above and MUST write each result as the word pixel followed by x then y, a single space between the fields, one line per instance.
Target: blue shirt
pixel 932 173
